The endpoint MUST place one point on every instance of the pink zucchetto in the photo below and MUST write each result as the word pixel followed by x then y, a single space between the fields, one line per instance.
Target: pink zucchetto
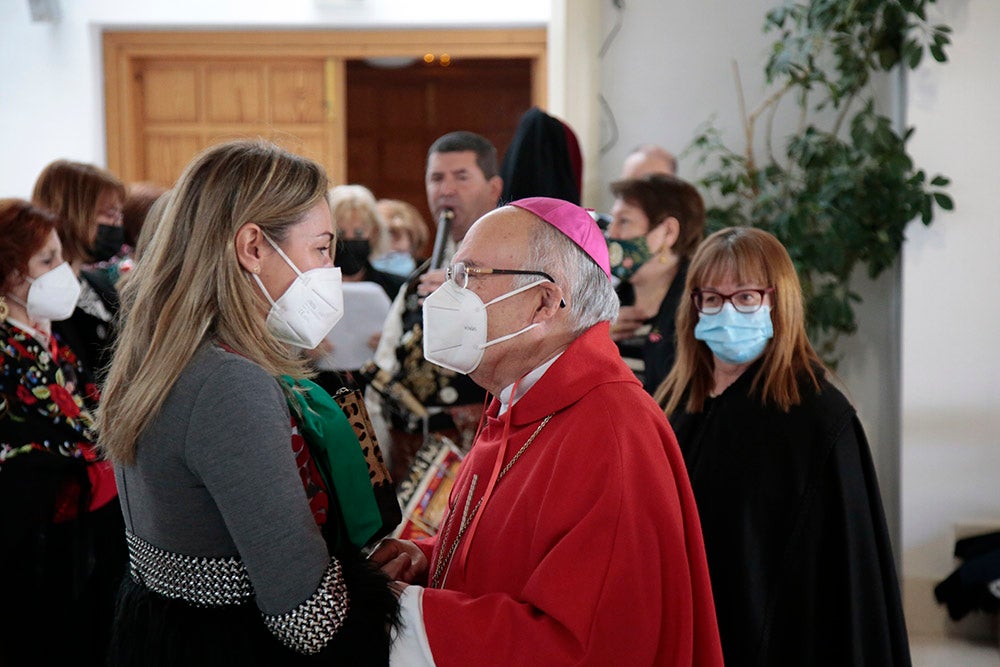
pixel 573 221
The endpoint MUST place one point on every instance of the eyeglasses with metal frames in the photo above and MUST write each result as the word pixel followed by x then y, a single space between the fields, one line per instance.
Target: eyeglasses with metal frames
pixel 746 301
pixel 459 273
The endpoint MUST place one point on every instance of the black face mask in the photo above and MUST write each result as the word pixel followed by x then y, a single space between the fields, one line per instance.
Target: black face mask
pixel 352 255
pixel 109 242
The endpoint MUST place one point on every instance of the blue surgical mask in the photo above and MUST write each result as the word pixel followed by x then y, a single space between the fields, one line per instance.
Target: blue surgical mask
pixel 735 337
pixel 397 262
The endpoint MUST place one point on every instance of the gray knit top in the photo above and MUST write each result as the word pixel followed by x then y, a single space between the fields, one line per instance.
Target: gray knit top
pixel 215 476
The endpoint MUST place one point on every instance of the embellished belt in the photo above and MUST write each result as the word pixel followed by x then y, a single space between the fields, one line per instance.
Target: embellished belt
pixel 205 582
pixel 213 582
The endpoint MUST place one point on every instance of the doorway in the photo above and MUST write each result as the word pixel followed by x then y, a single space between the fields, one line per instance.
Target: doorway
pixel 170 94
pixel 395 113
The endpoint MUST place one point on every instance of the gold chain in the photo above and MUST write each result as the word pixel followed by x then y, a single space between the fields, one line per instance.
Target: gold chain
pixel 444 563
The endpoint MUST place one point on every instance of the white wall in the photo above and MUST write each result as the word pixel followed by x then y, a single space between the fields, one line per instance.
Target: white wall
pixel 951 318
pixel 670 68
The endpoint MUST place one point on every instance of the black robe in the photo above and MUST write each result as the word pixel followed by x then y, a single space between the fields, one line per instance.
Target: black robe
pixel 798 550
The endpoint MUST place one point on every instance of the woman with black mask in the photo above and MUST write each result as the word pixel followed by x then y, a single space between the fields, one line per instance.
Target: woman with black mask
pixel 89 201
pixel 361 234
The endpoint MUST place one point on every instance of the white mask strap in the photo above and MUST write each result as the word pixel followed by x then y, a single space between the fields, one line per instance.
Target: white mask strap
pixel 17 300
pixel 284 257
pixel 501 298
pixel 262 288
pixel 517 291
pixel 282 253
pixel 507 337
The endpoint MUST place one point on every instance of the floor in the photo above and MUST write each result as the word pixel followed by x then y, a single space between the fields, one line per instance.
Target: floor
pixel 944 652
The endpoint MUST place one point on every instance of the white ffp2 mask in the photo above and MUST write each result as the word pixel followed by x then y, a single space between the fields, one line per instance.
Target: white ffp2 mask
pixel 455 326
pixel 310 307
pixel 53 295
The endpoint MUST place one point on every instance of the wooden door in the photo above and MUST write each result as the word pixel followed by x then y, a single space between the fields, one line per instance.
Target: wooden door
pixel 394 115
pixel 169 94
pixel 185 105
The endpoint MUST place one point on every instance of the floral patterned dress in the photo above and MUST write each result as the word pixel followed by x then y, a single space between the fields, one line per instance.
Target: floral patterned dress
pixel 45 399
pixel 61 531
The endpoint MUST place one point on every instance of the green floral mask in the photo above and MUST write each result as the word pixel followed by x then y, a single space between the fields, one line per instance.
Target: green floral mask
pixel 627 255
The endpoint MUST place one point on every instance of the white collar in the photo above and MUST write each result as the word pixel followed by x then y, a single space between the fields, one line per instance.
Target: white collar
pixel 523 385
pixel 43 334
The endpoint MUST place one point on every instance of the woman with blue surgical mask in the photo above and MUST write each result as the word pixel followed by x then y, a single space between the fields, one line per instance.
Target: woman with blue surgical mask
pixel 799 554
pixel 408 233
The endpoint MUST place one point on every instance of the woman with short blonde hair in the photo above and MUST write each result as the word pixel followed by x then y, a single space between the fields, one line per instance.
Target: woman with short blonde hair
pixel 362 234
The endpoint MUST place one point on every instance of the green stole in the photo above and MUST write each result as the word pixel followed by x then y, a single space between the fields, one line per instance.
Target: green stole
pixel 337 453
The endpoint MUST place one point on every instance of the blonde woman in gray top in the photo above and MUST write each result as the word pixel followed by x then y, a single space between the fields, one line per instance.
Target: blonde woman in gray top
pixel 240 551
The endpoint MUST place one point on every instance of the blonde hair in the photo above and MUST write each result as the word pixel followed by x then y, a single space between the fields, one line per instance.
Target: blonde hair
pixel 190 288
pixel 72 191
pixel 746 255
pixel 404 216
pixel 346 199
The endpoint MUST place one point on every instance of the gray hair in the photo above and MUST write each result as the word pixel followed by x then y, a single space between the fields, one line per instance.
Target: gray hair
pixel 347 198
pixel 587 289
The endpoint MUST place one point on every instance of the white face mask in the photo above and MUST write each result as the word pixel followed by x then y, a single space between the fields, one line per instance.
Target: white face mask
pixel 53 295
pixel 455 326
pixel 310 307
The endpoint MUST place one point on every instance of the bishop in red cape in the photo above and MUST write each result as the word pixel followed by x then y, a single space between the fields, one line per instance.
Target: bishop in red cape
pixel 572 536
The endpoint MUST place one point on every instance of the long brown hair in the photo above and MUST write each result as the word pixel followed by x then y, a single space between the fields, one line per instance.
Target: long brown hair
pixel 72 190
pixel 747 255
pixel 189 287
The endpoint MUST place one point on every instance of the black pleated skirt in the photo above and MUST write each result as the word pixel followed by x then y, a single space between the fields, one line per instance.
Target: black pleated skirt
pixel 151 630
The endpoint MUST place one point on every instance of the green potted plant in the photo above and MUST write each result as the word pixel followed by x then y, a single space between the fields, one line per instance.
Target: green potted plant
pixel 840 189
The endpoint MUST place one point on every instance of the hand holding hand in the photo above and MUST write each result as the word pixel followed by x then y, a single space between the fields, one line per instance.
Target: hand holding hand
pixel 400 559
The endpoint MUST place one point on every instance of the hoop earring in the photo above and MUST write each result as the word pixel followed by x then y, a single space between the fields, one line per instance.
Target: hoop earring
pixel 4 309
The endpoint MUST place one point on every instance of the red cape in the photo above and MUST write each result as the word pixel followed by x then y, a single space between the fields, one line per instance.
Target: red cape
pixel 589 551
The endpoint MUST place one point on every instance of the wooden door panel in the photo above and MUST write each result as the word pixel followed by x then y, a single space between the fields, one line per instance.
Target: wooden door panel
pixel 169 92
pixel 234 93
pixel 396 163
pixel 296 93
pixel 189 105
pixel 311 144
pixel 402 96
pixel 363 156
pixel 166 155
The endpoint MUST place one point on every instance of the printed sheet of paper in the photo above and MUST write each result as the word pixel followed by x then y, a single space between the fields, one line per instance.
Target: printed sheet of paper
pixel 365 308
